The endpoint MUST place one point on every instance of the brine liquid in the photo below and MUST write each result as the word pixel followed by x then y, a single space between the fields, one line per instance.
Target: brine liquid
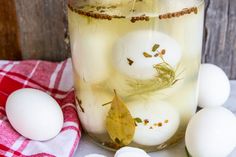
pixel 97 75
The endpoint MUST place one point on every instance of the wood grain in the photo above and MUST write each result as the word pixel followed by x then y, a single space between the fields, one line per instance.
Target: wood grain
pixel 220 36
pixel 9 37
pixel 43 29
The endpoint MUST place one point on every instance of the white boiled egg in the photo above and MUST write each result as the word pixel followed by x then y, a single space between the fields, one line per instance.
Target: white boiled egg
pixel 34 114
pixel 92 113
pixel 91 50
pixel 131 152
pixel 211 133
pixel 160 121
pixel 129 58
pixel 214 86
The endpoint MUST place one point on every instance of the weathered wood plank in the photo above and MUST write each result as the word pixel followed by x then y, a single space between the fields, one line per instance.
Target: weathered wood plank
pixel 43 29
pixel 220 45
pixel 9 38
pixel 231 37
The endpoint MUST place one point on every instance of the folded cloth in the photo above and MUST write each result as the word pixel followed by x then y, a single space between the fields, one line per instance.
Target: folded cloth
pixel 55 79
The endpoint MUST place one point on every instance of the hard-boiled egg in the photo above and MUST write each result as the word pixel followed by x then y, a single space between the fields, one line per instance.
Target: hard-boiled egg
pixel 136 53
pixel 131 152
pixel 92 113
pixel 211 133
pixel 34 114
pixel 214 86
pixel 159 123
pixel 91 49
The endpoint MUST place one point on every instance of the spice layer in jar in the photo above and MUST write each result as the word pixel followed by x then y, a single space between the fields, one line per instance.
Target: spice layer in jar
pixel 136 69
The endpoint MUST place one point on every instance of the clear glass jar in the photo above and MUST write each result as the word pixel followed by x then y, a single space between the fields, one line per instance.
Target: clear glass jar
pixel 136 66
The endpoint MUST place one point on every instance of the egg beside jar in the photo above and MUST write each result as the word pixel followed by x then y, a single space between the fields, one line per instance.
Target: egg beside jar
pixel 130 152
pixel 34 114
pixel 211 133
pixel 214 86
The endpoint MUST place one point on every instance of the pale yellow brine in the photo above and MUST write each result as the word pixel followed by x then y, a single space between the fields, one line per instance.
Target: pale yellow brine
pixel 136 68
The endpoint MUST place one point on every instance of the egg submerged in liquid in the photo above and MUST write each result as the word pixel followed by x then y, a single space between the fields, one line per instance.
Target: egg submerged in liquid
pixel 136 54
pixel 160 121
pixel 92 113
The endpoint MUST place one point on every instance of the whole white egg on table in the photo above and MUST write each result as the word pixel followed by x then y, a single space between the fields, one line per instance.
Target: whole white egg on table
pixel 34 114
pixel 133 55
pixel 211 133
pixel 214 86
pixel 131 152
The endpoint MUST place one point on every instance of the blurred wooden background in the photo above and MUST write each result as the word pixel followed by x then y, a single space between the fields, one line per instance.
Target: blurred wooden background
pixel 37 29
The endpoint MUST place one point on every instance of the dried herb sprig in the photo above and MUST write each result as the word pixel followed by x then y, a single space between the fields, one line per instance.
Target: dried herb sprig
pixel 165 78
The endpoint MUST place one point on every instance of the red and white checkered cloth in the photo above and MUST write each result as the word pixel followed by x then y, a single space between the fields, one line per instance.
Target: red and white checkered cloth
pixel 55 79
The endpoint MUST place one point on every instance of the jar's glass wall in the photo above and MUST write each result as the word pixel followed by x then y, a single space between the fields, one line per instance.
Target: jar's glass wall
pixel 136 69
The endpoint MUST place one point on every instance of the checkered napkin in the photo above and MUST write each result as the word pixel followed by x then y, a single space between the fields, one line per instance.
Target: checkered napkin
pixel 56 80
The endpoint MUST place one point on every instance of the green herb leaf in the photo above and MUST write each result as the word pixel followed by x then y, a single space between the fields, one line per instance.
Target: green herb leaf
pixel 120 125
pixel 187 153
pixel 145 54
pixel 155 47
pixel 138 120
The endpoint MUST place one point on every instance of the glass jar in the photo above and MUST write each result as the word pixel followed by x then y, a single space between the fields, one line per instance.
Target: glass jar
pixel 136 66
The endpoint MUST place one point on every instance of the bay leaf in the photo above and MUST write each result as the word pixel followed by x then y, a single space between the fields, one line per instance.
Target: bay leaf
pixel 120 125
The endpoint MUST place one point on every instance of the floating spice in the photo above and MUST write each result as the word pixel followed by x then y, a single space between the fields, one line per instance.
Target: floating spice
pixel 163 52
pixel 147 55
pixel 159 124
pixel 155 47
pixel 138 120
pixel 120 125
pixel 179 13
pixel 156 55
pixel 146 121
pixel 130 62
pixel 100 12
pixel 166 121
